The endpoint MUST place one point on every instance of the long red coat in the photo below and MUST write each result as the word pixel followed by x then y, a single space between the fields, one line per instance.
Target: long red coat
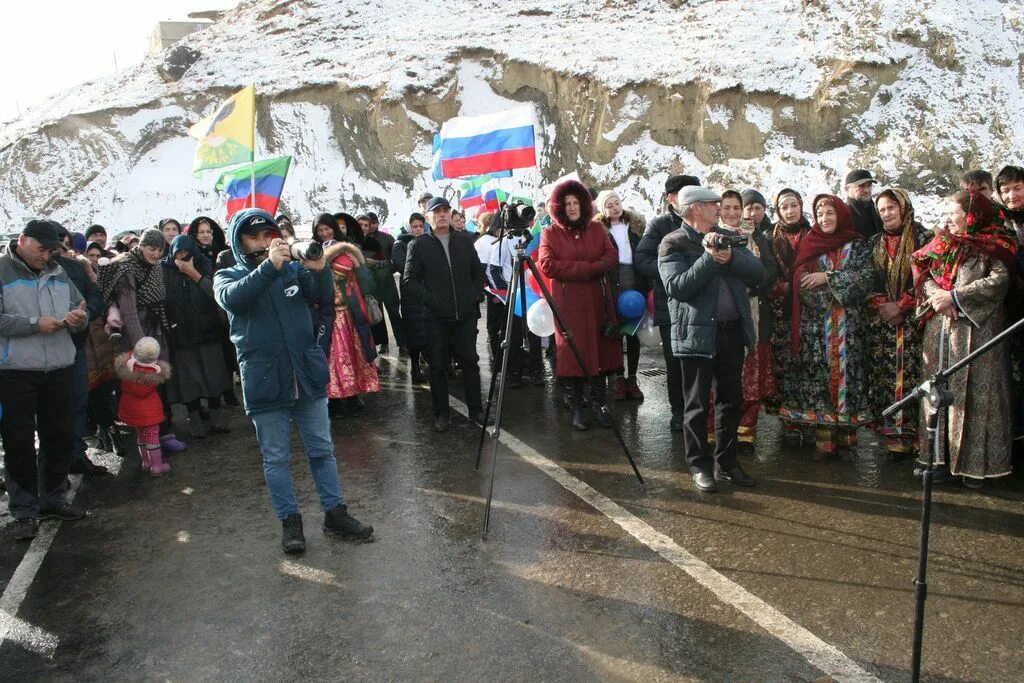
pixel 575 261
pixel 140 404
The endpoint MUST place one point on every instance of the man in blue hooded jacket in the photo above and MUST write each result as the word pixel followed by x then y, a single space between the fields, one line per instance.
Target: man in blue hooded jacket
pixel 284 371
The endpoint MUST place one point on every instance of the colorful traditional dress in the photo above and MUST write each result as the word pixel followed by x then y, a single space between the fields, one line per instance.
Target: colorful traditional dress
pixel 894 349
pixel 825 385
pixel 976 267
pixel 352 371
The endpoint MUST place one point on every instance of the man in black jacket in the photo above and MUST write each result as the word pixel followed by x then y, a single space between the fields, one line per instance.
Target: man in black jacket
pixel 646 261
pixel 76 270
pixel 443 271
pixel 866 220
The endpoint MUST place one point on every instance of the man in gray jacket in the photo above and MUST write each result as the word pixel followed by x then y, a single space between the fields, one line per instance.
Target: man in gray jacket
pixel 39 309
pixel 707 280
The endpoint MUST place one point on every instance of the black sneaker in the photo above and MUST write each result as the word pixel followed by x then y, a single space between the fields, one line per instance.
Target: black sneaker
pixel 441 423
pixel 68 512
pixel 292 540
pixel 25 528
pixel 339 523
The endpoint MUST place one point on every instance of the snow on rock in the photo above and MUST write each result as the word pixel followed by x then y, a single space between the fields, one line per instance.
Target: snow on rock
pixel 625 94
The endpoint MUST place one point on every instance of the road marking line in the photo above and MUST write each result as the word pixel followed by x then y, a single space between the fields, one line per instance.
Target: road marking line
pixel 16 590
pixel 816 651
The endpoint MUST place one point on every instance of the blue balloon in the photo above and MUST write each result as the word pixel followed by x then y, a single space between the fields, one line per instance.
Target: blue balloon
pixel 631 304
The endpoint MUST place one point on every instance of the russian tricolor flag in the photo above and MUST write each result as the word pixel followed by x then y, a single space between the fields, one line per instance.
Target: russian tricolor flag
pixel 475 145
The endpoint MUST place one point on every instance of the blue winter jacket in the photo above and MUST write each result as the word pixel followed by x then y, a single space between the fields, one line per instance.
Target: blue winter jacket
pixel 690 277
pixel 270 326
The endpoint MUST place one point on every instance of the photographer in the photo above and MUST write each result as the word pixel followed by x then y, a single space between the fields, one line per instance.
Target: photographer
pixel 284 372
pixel 513 224
pixel 707 274
pixel 444 272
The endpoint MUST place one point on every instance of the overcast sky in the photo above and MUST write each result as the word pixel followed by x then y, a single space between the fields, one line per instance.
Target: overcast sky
pixel 48 46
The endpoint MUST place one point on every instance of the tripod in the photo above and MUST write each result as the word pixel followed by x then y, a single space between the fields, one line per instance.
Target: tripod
pixel 940 397
pixel 517 290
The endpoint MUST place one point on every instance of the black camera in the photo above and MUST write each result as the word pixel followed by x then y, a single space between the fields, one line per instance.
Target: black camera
pixel 516 217
pixel 719 241
pixel 307 251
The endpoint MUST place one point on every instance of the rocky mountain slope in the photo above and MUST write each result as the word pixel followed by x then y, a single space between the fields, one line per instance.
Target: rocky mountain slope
pixel 769 94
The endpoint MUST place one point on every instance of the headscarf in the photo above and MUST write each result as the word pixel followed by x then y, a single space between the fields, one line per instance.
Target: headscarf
pixel 185 243
pixel 814 244
pixel 353 231
pixel 219 242
pixel 149 282
pixel 986 234
pixel 897 269
pixel 781 247
pixel 331 222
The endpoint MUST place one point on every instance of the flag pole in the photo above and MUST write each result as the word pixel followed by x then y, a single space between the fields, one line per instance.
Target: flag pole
pixel 252 161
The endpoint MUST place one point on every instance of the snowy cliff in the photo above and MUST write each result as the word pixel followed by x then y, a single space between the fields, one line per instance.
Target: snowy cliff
pixel 767 94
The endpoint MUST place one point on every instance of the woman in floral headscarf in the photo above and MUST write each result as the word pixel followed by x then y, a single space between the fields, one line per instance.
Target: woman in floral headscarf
pixel 894 339
pixel 962 277
pixel 824 386
pixel 790 227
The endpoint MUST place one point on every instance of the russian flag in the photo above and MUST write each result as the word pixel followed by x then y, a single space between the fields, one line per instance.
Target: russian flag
pixel 269 175
pixel 475 145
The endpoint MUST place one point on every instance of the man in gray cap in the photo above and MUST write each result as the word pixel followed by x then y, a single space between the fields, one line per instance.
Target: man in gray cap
pixel 646 261
pixel 39 310
pixel 866 220
pixel 707 280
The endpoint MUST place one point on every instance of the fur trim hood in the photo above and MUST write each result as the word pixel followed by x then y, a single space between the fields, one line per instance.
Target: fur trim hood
pixel 637 224
pixel 348 248
pixel 556 204
pixel 144 376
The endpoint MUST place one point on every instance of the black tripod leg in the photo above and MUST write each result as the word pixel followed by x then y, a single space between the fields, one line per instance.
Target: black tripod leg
pixel 921 581
pixel 567 334
pixel 514 287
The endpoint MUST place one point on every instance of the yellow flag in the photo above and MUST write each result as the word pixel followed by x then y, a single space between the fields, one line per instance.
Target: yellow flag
pixel 227 136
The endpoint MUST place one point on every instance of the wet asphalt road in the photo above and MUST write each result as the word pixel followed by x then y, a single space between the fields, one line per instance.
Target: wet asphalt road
pixel 182 578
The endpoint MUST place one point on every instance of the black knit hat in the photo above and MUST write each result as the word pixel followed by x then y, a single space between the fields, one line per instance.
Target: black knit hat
pixel 94 229
pixel 678 182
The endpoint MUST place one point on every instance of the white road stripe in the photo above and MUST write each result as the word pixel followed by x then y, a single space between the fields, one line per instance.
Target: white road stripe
pixel 16 590
pixel 820 654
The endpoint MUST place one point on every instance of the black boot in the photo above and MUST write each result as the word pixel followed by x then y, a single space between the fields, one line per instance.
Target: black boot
pixel 338 522
pixel 598 399
pixel 292 539
pixel 580 419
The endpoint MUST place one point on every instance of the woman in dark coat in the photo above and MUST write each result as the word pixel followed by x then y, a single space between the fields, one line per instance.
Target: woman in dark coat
pixel 414 323
pixel 577 254
pixel 196 330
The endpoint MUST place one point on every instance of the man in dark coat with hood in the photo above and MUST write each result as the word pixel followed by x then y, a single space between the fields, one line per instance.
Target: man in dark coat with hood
pixel 284 372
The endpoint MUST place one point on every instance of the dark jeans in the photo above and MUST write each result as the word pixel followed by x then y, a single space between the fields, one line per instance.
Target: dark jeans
pixel 673 370
pixel 36 401
pixel 724 373
pixel 447 336
pixel 496 312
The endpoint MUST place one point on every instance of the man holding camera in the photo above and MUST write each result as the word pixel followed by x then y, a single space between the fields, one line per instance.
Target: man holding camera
pixel 284 372
pixel 443 271
pixel 707 273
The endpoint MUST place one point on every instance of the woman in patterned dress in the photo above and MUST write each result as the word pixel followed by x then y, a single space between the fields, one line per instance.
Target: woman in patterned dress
pixel 894 337
pixel 824 385
pixel 962 278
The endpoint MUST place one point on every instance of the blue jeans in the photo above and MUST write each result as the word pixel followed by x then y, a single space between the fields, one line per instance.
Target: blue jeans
pixel 273 432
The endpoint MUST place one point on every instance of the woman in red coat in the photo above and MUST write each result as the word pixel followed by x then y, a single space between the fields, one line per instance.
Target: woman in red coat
pixel 576 253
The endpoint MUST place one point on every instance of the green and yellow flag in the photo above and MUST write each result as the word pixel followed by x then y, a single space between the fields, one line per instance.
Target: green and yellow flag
pixel 227 137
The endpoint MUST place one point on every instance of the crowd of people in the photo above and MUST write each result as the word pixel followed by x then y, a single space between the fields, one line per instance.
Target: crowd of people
pixel 821 312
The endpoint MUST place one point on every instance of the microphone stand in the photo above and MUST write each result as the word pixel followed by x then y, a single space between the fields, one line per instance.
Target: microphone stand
pixel 936 389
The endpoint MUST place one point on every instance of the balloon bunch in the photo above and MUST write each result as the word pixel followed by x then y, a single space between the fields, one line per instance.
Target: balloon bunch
pixel 639 316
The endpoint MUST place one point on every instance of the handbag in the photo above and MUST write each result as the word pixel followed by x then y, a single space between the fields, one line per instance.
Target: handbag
pixel 610 330
pixel 374 312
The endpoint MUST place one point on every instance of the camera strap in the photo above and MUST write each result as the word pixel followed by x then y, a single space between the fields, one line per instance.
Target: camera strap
pixel 609 308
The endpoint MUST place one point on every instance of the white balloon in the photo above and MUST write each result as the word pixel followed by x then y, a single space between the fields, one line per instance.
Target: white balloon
pixel 539 319
pixel 648 334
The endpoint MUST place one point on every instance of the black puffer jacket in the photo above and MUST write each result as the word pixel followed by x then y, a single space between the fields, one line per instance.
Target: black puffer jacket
pixel 449 291
pixel 645 259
